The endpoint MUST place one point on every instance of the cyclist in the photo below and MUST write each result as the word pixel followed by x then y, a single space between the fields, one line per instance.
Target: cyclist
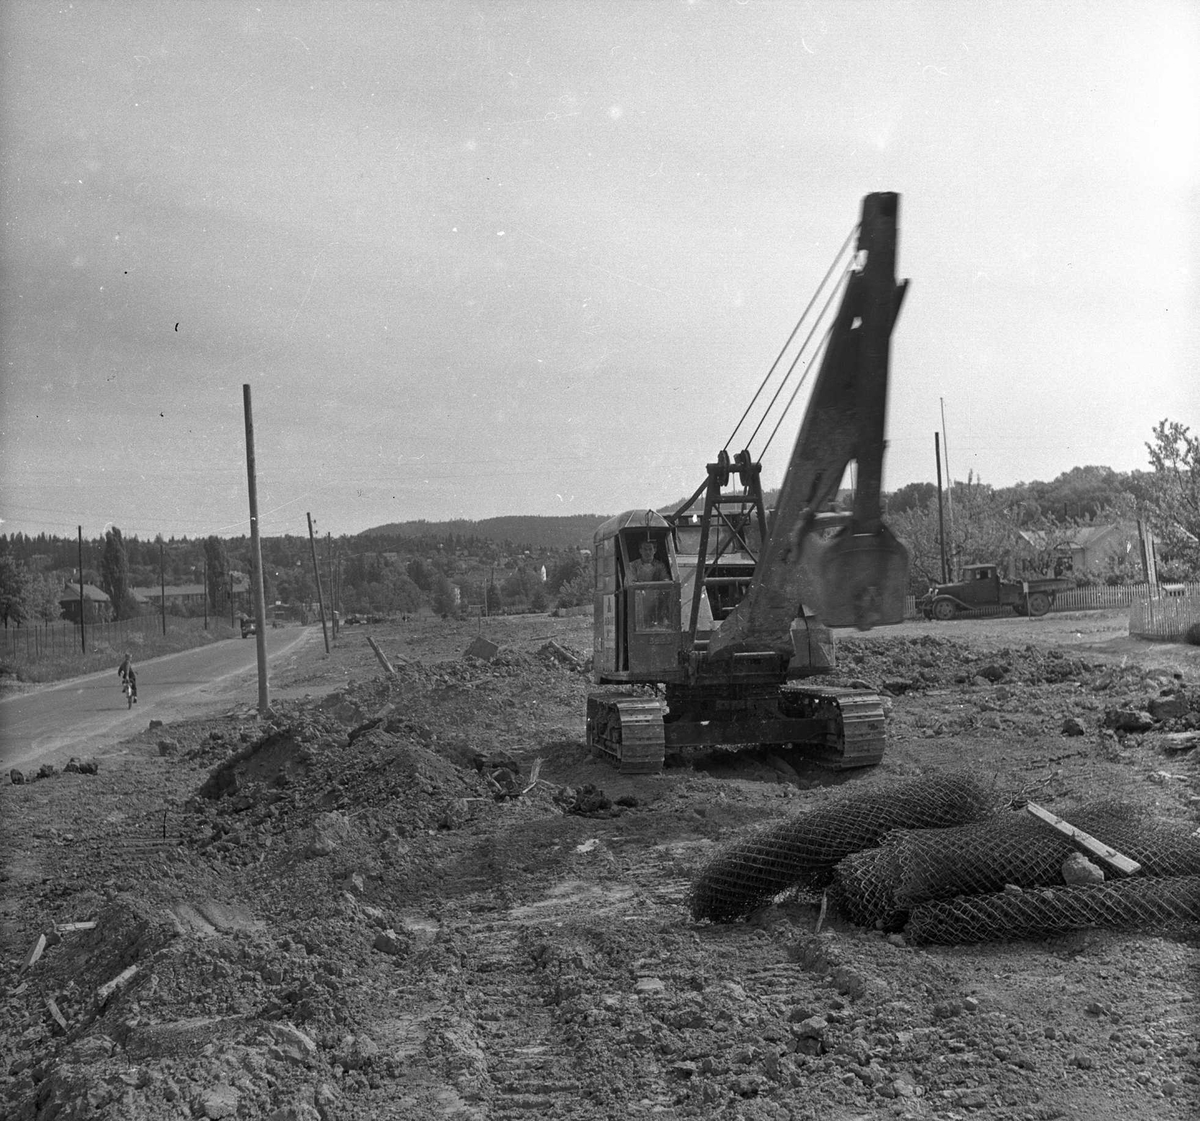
pixel 128 674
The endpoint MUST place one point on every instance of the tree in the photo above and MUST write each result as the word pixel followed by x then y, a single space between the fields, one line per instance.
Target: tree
pixel 912 496
pixel 15 589
pixel 44 597
pixel 1174 502
pixel 114 573
pixel 216 567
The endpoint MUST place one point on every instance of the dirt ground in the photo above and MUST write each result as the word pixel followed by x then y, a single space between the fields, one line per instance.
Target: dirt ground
pixel 379 903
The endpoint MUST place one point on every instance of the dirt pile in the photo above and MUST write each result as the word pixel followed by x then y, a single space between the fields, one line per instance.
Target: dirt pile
pixel 405 896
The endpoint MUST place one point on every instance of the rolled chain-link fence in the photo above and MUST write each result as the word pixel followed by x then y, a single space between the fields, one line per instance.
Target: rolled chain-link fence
pixel 802 851
pixel 880 886
pixel 1151 904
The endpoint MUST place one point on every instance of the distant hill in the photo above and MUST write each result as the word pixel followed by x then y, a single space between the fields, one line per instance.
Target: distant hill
pixel 525 531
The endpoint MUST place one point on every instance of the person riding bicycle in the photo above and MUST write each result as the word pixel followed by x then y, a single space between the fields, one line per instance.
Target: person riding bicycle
pixel 129 675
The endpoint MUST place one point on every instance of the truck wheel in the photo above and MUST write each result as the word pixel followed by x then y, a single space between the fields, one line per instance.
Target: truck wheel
pixel 944 610
pixel 1039 603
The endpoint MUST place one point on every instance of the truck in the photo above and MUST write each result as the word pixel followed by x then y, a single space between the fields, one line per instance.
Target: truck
pixel 708 619
pixel 982 586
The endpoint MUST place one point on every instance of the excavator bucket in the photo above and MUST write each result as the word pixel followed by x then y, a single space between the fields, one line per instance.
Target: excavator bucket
pixel 857 579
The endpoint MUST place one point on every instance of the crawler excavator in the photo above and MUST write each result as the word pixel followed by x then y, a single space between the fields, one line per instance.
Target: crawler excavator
pixel 709 639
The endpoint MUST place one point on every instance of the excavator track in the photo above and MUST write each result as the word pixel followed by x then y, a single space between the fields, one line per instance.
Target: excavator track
pixel 856 735
pixel 629 730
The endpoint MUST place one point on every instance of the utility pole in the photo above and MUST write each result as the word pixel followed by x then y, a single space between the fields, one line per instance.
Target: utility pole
pixel 82 601
pixel 206 595
pixel 162 587
pixel 231 620
pixel 937 452
pixel 949 477
pixel 333 614
pixel 256 575
pixel 317 576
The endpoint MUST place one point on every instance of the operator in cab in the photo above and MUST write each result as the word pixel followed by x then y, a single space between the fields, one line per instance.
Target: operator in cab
pixel 647 567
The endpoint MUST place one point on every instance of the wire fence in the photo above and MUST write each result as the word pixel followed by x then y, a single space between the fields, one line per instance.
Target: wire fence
pixel 36 642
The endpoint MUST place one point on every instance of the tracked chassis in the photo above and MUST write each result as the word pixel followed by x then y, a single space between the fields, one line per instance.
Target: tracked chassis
pixel 838 728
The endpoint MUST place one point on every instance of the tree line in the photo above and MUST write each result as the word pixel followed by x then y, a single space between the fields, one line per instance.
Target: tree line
pixel 431 566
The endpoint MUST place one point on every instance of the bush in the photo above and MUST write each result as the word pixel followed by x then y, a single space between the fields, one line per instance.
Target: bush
pixel 1192 634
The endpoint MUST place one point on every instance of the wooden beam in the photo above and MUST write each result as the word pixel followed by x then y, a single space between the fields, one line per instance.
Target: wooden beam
pixel 1086 841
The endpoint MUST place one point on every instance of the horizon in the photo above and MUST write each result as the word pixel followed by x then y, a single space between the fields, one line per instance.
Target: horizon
pixel 599 516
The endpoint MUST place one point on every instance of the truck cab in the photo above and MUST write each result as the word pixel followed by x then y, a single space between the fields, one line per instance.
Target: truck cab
pixel 980 585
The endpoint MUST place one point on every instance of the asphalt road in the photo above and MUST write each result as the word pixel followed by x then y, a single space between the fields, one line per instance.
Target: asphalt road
pixel 85 715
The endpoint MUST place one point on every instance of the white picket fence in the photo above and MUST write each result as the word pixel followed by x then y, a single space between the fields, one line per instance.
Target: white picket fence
pixel 1166 617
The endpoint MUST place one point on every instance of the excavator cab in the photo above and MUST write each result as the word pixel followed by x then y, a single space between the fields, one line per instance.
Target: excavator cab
pixel 638 633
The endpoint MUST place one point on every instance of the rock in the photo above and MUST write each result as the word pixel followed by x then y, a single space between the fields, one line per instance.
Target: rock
pixel 1128 720
pixel 46 770
pixel 1077 869
pixel 16 777
pixel 219 1101
pixel 389 942
pixel 167 747
pixel 992 672
pixel 1073 726
pixel 483 649
pixel 1168 708
pixel 647 985
pixel 812 1028
pixel 991 720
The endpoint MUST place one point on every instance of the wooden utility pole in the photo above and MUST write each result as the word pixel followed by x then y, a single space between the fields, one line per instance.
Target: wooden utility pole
pixel 333 599
pixel 162 587
pixel 937 452
pixel 256 576
pixel 82 602
pixel 206 595
pixel 317 576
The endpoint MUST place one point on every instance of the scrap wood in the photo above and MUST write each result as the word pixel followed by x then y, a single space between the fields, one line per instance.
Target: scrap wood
pixel 67 927
pixel 1178 742
pixel 35 951
pixel 1086 841
pixel 534 771
pixel 119 981
pixel 391 672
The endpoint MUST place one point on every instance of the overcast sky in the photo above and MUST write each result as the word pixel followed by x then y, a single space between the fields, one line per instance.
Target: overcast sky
pixel 535 257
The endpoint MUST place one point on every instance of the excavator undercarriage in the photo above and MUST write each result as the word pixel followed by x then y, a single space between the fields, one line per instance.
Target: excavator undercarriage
pixel 838 728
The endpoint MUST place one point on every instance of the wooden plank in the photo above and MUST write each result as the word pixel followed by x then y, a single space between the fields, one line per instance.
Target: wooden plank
pixel 1086 841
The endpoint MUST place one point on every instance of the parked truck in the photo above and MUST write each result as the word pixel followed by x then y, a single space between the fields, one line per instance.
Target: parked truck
pixel 981 586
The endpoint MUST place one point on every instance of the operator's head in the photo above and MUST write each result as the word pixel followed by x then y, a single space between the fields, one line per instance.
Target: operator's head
pixel 647 550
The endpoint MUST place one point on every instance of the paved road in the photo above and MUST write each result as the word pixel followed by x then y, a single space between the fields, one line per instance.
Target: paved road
pixel 86 714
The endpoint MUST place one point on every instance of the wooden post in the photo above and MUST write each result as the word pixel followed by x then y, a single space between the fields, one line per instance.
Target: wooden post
pixel 82 603
pixel 317 576
pixel 206 595
pixel 256 576
pixel 162 587
pixel 937 454
pixel 1086 841
pixel 333 615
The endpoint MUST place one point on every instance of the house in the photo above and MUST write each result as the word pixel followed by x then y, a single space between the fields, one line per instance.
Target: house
pixel 176 596
pixel 1079 549
pixel 96 605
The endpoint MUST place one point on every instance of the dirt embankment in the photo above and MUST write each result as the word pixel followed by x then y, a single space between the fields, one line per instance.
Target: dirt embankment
pixel 418 897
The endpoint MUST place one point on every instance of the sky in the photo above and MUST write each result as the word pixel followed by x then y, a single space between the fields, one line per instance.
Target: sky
pixel 507 257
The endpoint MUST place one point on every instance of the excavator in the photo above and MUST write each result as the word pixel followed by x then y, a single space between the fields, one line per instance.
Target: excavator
pixel 709 618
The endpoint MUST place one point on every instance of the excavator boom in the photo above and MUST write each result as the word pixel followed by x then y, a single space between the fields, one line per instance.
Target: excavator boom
pixel 856 576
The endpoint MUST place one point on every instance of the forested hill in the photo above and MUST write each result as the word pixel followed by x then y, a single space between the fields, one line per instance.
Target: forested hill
pixel 527 531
